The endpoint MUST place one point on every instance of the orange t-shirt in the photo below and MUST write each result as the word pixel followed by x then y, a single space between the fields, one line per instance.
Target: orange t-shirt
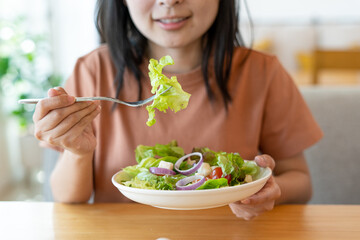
pixel 267 114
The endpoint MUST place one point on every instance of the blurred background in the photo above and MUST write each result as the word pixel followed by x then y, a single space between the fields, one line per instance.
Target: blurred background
pixel 318 42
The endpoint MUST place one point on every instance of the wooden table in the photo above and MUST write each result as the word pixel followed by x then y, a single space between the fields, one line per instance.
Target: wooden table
pixel 35 220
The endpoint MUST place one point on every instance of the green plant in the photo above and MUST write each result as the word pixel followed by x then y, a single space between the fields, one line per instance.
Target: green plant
pixel 25 67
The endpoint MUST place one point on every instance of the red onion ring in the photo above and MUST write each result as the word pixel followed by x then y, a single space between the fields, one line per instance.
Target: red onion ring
pixel 161 171
pixel 194 168
pixel 182 184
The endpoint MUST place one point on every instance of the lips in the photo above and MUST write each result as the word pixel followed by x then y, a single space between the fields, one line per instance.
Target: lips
pixel 172 23
pixel 171 20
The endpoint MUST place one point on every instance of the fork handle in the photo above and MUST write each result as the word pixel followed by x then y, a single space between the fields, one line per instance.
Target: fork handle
pixel 29 101
pixel 36 100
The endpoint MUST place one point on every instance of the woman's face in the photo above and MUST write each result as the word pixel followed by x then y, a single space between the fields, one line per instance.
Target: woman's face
pixel 171 23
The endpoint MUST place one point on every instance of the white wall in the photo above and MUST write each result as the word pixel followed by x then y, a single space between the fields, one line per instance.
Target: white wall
pixel 305 11
pixel 35 10
pixel 71 23
pixel 73 32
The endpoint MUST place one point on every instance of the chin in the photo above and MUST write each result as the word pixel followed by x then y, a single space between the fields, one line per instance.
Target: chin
pixel 174 44
pixel 171 41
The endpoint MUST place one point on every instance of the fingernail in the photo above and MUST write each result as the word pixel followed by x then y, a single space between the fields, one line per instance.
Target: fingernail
pixel 246 201
pixel 52 92
pixel 70 99
pixel 259 159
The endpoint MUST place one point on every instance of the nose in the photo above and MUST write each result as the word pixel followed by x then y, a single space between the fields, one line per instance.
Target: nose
pixel 169 3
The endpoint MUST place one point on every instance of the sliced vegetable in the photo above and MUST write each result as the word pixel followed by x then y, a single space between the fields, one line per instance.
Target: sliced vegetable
pixel 183 184
pixel 161 171
pixel 217 173
pixel 195 166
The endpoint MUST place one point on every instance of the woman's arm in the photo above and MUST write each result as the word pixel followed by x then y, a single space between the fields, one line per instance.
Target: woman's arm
pixel 290 183
pixel 72 178
pixel 65 124
pixel 293 177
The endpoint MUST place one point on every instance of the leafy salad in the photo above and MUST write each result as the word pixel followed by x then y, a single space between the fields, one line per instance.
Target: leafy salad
pixel 175 99
pixel 166 167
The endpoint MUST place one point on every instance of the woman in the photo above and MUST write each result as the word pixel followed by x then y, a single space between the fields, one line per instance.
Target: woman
pixel 242 101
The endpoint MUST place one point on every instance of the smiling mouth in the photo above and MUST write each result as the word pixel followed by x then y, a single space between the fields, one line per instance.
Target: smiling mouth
pixel 171 20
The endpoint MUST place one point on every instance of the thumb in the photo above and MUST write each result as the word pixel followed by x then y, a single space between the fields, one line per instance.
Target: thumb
pixel 265 161
pixel 56 91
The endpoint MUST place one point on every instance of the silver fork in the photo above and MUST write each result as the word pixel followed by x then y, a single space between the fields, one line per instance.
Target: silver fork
pixel 82 99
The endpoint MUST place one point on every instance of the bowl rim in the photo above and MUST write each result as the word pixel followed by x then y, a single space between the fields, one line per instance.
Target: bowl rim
pixel 121 187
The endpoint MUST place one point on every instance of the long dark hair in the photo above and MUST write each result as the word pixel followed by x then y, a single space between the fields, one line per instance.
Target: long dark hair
pixel 127 45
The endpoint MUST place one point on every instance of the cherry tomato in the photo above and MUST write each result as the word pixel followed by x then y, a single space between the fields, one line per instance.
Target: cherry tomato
pixel 217 173
pixel 228 177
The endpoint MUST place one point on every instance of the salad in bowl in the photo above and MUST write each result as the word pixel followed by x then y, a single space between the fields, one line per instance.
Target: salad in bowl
pixel 166 177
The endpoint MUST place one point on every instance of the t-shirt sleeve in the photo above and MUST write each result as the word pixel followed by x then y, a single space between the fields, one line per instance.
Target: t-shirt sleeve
pixel 81 82
pixel 288 125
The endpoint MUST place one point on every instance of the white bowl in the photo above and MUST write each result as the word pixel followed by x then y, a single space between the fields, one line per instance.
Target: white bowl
pixel 194 199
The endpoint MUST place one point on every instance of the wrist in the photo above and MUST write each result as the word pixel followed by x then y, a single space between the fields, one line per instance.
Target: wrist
pixel 78 157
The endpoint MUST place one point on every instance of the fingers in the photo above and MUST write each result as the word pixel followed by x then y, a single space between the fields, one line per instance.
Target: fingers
pixel 56 91
pixel 265 161
pixel 248 212
pixel 70 120
pixel 242 211
pixel 59 90
pixel 67 139
pixel 262 201
pixel 44 106
pixel 64 123
pixel 73 119
pixel 55 117
pixel 270 192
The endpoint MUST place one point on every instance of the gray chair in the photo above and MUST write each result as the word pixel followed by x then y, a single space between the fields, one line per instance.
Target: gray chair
pixel 335 161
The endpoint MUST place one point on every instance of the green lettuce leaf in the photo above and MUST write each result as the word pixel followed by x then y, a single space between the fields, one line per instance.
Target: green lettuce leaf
pixel 250 168
pixel 147 180
pixel 159 150
pixel 175 99
pixel 129 173
pixel 225 164
pixel 214 183
pixel 154 162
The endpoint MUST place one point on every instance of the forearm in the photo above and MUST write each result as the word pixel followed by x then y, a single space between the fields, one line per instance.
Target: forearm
pixel 295 187
pixel 72 178
pixel 292 175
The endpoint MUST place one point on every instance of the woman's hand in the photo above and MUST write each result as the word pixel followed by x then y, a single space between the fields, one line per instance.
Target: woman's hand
pixel 64 123
pixel 262 201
